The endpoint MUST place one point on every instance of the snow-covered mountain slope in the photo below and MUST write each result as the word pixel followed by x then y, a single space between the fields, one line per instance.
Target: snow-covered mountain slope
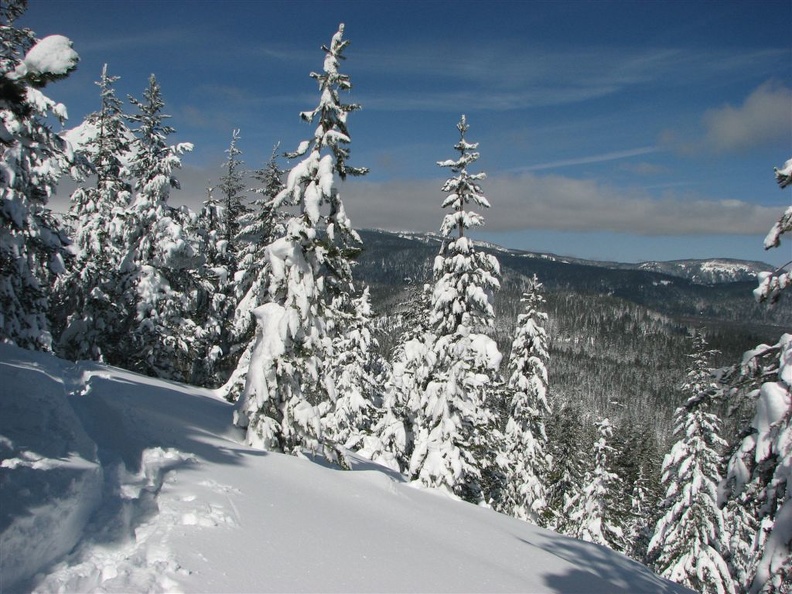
pixel 719 270
pixel 114 482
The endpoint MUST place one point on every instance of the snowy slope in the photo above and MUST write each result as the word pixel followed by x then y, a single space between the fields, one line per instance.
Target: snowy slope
pixel 114 482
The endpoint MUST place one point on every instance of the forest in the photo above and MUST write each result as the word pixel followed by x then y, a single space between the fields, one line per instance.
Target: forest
pixel 623 406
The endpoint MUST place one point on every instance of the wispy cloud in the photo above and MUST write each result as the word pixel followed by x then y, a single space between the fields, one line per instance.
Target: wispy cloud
pixel 502 75
pixel 612 156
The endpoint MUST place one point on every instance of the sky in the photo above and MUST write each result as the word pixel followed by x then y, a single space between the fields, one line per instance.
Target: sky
pixel 609 130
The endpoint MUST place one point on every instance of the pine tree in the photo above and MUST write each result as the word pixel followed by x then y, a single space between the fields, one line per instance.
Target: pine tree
pixel 393 438
pixel 162 256
pixel 525 440
pixel 772 284
pixel 262 225
pixel 689 540
pixel 594 514
pixel 89 294
pixel 351 417
pixel 759 477
pixel 638 464
pixel 309 269
pixel 232 187
pixel 452 423
pixel 566 436
pixel 32 242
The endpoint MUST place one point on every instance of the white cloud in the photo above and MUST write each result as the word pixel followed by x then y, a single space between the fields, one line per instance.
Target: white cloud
pixel 529 201
pixel 764 117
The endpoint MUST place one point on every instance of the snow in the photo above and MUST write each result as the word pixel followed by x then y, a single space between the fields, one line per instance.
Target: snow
pixel 51 55
pixel 115 482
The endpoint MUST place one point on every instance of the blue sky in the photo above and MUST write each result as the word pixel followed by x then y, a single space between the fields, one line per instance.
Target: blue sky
pixel 621 131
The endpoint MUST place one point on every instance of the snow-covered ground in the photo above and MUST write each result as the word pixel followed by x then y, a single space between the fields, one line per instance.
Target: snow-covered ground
pixel 113 482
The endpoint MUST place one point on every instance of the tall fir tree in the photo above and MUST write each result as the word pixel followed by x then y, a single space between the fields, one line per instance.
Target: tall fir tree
pixel 525 439
pixel 638 463
pixel 88 295
pixel 452 421
pixel 566 435
pixel 758 482
pixel 393 439
pixel 594 515
pixel 232 188
pixel 261 225
pixel 689 540
pixel 309 268
pixel 162 257
pixel 32 242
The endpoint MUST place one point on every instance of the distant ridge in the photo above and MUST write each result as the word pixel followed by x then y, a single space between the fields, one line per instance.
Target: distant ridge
pixel 707 271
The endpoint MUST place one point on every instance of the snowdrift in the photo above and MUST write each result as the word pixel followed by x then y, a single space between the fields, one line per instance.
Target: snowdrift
pixel 114 482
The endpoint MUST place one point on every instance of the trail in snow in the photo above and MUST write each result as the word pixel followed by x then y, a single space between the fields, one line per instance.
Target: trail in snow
pixel 112 482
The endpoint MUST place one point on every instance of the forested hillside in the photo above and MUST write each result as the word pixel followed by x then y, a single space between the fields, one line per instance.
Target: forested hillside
pixel 618 332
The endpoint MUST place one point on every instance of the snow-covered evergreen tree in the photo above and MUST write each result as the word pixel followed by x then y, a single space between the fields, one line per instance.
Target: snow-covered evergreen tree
pixel 309 269
pixel 32 242
pixel 411 361
pixel 162 256
pixel 525 439
pixel 689 540
pixel 594 514
pixel 452 421
pixel 772 283
pixel 566 438
pixel 638 463
pixel 89 294
pixel 260 226
pixel 350 418
pixel 759 476
pixel 232 188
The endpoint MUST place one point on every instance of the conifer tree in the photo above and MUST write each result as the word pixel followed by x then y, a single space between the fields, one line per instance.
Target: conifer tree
pixel 412 357
pixel 594 514
pixel 260 226
pixel 232 187
pixel 89 294
pixel 525 439
pixel 352 415
pixel 452 423
pixel 32 242
pixel 309 268
pixel 566 436
pixel 162 256
pixel 689 540
pixel 638 464
pixel 758 482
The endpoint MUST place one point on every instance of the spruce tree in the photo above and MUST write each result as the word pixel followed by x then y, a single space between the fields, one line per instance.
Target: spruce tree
pixel 525 439
pixel 452 421
pixel 162 256
pixel 689 540
pixel 261 225
pixel 89 293
pixel 32 242
pixel 566 435
pixel 393 438
pixel 232 188
pixel 287 386
pixel 759 476
pixel 594 514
